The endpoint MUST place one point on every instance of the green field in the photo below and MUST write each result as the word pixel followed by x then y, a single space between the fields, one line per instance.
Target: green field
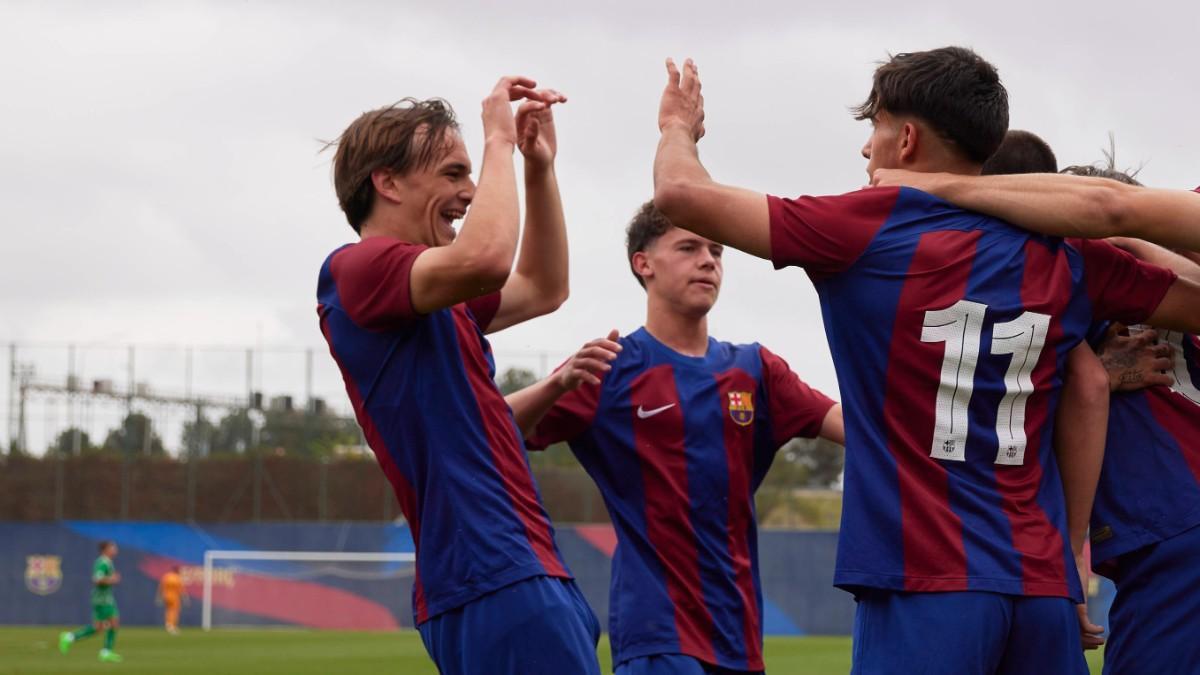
pixel 238 652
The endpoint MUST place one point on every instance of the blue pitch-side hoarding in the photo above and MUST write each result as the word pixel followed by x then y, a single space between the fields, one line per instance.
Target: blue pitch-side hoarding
pixel 45 569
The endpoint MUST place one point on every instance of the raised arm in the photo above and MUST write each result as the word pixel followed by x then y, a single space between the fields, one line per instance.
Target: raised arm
pixel 539 283
pixel 1067 206
pixel 480 258
pixel 587 366
pixel 683 190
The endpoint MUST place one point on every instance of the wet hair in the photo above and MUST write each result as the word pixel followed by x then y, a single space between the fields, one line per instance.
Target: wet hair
pixel 952 89
pixel 1021 152
pixel 405 136
pixel 647 226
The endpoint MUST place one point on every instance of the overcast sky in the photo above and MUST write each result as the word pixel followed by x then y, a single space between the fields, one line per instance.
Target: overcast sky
pixel 161 180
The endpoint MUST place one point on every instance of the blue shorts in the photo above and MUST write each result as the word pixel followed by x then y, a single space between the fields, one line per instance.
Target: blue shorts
pixel 674 664
pixel 965 633
pixel 1154 616
pixel 539 626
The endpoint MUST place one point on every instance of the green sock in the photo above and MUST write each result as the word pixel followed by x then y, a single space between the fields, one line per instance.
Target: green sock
pixel 84 632
pixel 109 638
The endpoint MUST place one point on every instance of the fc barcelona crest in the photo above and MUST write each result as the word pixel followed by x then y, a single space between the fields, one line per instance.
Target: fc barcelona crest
pixel 741 407
pixel 43 573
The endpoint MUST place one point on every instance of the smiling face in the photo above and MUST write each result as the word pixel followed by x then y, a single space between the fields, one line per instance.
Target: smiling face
pixel 683 270
pixel 432 197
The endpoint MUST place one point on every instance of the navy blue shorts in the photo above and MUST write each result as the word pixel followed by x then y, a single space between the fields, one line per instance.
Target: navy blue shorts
pixel 1155 615
pixel 674 664
pixel 966 633
pixel 539 626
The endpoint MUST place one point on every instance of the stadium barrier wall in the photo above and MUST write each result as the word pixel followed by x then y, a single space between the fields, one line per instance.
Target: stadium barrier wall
pixel 46 569
pixel 235 488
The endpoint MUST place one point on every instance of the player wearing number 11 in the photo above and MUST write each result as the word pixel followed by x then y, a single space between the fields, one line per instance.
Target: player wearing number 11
pixel 948 330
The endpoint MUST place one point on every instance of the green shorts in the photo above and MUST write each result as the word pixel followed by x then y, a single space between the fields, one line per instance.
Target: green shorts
pixel 104 612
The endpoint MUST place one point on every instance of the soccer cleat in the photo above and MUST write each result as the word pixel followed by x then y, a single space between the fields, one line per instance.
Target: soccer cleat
pixel 109 656
pixel 64 642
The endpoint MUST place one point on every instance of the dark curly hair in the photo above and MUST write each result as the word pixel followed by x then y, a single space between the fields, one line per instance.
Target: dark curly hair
pixel 648 224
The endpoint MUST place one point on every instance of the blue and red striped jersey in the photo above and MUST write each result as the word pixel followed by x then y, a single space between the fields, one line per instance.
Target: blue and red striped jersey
pixel 423 391
pixel 1150 486
pixel 948 331
pixel 678 445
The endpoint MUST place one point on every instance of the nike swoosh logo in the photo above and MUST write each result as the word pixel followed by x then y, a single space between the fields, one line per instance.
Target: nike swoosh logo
pixel 643 413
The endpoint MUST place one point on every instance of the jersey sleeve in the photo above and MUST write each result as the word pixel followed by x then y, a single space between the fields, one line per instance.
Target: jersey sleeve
pixel 373 282
pixel 825 235
pixel 796 409
pixel 1121 287
pixel 484 309
pixel 570 417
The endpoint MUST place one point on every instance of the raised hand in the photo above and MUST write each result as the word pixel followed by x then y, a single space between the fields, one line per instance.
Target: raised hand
pixel 590 363
pixel 498 122
pixel 682 103
pixel 536 137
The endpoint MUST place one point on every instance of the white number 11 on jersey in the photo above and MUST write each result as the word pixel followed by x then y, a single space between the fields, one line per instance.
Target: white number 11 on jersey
pixel 960 326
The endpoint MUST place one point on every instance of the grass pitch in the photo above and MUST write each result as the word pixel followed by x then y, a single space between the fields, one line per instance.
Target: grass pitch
pixel 254 652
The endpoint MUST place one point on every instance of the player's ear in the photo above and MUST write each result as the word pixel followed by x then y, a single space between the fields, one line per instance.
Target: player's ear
pixel 909 140
pixel 388 185
pixel 641 265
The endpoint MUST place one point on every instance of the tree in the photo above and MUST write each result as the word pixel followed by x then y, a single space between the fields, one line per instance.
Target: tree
pixel 135 436
pixel 198 436
pixel 235 433
pixel 64 444
pixel 801 463
pixel 306 433
pixel 515 379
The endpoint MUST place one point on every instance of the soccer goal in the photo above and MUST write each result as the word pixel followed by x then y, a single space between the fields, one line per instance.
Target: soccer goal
pixel 343 590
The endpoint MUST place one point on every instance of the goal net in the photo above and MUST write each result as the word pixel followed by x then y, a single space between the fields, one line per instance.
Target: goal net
pixel 308 589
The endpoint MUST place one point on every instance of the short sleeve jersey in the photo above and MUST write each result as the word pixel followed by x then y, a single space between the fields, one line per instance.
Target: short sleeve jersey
pixel 423 391
pixel 102 594
pixel 949 330
pixel 1150 486
pixel 678 445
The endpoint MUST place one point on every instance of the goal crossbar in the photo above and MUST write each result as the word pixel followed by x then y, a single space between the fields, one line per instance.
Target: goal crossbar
pixel 300 556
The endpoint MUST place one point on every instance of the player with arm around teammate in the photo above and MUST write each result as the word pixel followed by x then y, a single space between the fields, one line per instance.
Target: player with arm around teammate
pixel 948 331
pixel 405 311
pixel 678 429
pixel 1146 521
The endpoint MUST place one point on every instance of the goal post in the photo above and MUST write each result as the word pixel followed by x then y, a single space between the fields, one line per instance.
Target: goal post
pixel 324 563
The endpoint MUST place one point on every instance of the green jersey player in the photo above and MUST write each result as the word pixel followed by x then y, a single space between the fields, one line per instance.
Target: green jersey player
pixel 104 605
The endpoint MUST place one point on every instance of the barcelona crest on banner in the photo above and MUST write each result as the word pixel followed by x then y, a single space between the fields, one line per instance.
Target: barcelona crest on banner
pixel 741 407
pixel 43 573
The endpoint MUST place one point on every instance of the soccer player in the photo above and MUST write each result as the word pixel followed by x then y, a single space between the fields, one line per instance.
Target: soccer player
pixel 948 330
pixel 678 435
pixel 404 311
pixel 104 606
pixel 1082 418
pixel 170 594
pixel 1146 520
